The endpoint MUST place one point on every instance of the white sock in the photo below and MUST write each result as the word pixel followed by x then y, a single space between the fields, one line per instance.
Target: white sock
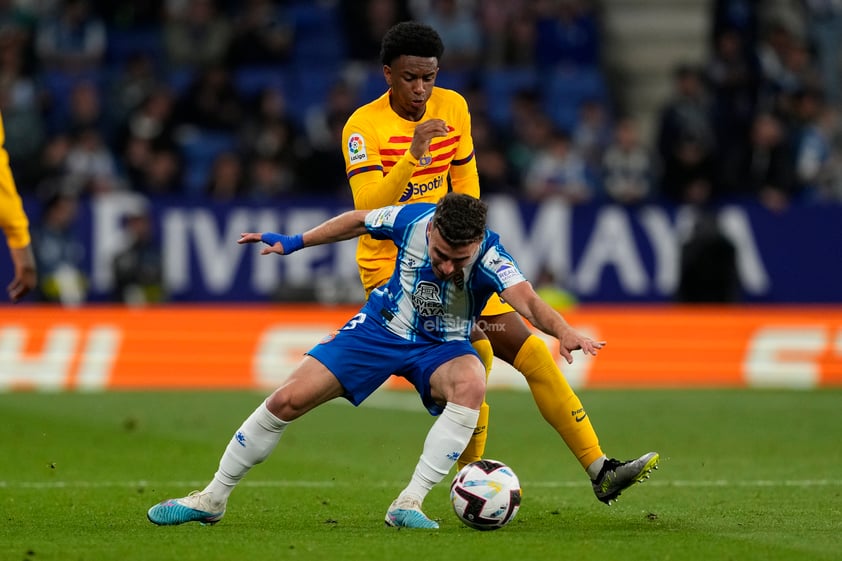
pixel 251 444
pixel 444 443
pixel 596 466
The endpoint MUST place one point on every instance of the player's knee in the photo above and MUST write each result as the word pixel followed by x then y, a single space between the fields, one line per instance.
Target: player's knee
pixel 283 405
pixel 469 390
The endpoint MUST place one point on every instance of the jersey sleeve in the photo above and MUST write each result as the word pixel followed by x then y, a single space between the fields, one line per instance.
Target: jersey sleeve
pixel 13 220
pixel 501 268
pixel 360 147
pixel 393 222
pixel 464 176
pixel 381 222
pixel 370 187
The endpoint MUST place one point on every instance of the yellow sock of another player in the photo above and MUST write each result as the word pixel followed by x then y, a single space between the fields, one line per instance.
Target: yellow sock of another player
pixel 476 447
pixel 556 400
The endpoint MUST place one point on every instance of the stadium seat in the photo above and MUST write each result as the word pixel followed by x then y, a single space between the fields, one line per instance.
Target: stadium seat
pixel 125 43
pixel 309 89
pixel 199 149
pixel 500 87
pixel 58 85
pixel 251 80
pixel 567 88
pixel 316 31
pixel 373 86
pixel 451 79
pixel 179 79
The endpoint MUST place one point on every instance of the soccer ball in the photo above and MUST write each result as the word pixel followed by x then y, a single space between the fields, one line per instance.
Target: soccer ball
pixel 485 495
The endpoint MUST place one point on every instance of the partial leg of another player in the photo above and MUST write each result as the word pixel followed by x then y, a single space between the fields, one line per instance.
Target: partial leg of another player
pixel 513 342
pixel 476 446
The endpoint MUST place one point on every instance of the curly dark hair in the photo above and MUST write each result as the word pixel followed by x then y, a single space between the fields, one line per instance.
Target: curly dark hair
pixel 412 39
pixel 460 219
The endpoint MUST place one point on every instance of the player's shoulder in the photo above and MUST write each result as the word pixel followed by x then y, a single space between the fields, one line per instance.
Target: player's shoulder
pixel 450 95
pixel 450 99
pixel 372 110
pixel 491 238
pixel 410 215
pixel 491 251
pixel 414 212
pixel 400 214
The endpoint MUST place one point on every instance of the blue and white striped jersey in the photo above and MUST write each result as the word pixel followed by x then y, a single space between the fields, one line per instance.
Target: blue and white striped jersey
pixel 415 304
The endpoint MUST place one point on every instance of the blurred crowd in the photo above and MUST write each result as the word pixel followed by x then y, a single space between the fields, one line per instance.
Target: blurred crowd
pixel 760 117
pixel 224 100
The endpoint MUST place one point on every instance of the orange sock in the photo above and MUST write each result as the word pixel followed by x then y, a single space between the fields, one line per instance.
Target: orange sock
pixel 556 400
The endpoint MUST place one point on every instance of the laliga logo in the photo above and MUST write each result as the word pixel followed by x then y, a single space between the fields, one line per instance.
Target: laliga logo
pixel 355 144
pixel 356 149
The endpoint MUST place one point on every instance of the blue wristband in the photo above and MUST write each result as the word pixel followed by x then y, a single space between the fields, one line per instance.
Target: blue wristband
pixel 289 243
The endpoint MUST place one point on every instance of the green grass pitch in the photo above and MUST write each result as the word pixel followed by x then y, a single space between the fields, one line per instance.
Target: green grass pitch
pixel 744 475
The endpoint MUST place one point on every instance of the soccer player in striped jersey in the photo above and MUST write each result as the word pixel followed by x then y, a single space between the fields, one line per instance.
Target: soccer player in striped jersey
pixel 417 325
pixel 15 224
pixel 414 144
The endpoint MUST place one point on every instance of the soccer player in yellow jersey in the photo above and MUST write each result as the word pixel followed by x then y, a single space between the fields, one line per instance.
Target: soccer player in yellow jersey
pixel 413 144
pixel 15 225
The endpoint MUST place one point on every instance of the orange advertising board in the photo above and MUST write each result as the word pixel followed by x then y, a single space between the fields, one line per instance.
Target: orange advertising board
pixel 216 347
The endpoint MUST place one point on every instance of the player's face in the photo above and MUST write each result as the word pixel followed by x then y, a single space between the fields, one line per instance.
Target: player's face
pixel 446 259
pixel 412 79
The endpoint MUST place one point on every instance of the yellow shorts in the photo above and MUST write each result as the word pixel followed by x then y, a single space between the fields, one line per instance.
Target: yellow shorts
pixel 496 307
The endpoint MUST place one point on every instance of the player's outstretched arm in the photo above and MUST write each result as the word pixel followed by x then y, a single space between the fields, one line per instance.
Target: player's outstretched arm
pixel 346 226
pixel 540 314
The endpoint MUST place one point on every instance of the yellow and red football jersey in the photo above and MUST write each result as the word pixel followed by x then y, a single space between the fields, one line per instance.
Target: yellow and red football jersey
pixel 382 172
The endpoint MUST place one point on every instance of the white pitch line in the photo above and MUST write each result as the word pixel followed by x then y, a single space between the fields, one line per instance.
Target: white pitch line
pixel 714 483
pixel 387 484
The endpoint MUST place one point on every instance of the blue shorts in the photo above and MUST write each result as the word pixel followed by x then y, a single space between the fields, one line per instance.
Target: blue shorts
pixel 363 354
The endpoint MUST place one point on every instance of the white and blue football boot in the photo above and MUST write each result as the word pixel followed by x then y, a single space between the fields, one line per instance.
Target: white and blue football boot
pixel 405 512
pixel 195 507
